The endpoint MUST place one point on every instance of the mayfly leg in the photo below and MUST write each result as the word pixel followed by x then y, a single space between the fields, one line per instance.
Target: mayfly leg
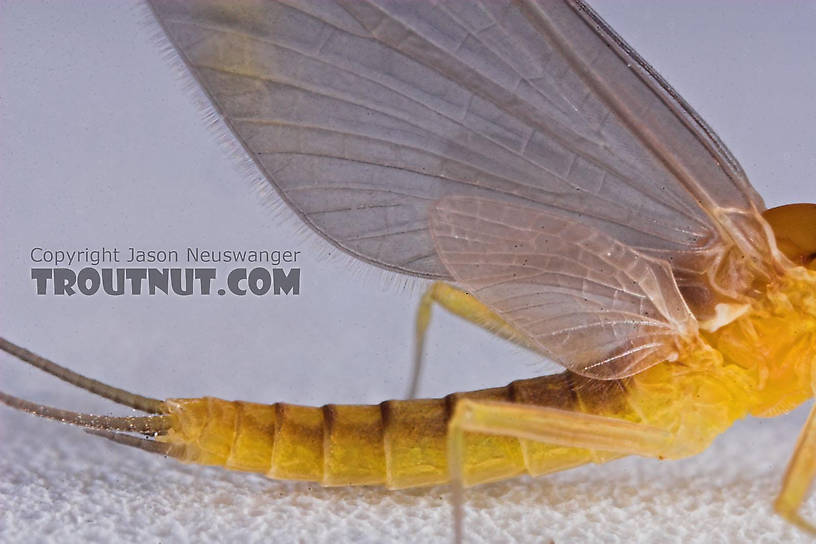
pixel 799 476
pixel 464 305
pixel 546 425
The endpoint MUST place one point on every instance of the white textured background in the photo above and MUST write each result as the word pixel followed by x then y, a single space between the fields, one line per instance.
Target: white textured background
pixel 101 145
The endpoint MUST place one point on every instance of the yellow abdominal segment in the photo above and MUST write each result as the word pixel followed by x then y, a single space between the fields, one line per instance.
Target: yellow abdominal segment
pixel 759 364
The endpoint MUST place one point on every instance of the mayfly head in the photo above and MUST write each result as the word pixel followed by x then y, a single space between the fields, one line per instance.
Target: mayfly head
pixel 794 226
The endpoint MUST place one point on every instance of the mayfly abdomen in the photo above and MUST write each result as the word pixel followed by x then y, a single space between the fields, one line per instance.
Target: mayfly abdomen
pixel 396 443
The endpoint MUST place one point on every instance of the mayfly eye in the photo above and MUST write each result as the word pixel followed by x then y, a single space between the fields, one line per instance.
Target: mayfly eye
pixel 794 227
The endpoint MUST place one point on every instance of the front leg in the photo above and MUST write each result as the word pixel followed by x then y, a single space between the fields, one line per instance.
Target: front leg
pixel 799 476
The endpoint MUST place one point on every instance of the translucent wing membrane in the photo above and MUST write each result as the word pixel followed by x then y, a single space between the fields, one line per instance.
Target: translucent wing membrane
pixel 585 300
pixel 364 113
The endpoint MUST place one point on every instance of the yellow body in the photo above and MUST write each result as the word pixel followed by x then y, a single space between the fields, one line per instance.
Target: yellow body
pixel 758 364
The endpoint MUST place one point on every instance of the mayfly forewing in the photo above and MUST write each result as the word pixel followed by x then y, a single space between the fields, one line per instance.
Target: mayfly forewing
pixel 591 303
pixel 364 113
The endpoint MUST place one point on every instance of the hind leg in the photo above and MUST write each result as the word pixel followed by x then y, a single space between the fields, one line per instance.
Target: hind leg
pixel 548 425
pixel 464 305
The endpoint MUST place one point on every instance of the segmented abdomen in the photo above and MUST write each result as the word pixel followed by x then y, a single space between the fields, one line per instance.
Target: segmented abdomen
pixel 396 443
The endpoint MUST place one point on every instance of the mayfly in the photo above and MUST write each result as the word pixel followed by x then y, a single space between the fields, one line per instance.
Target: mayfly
pixel 558 192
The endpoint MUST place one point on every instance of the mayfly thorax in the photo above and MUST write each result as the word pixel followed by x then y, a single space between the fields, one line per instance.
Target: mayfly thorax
pixel 553 188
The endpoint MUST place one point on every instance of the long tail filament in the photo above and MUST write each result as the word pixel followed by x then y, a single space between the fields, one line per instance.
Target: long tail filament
pixel 132 424
pixel 119 396
pixel 110 427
